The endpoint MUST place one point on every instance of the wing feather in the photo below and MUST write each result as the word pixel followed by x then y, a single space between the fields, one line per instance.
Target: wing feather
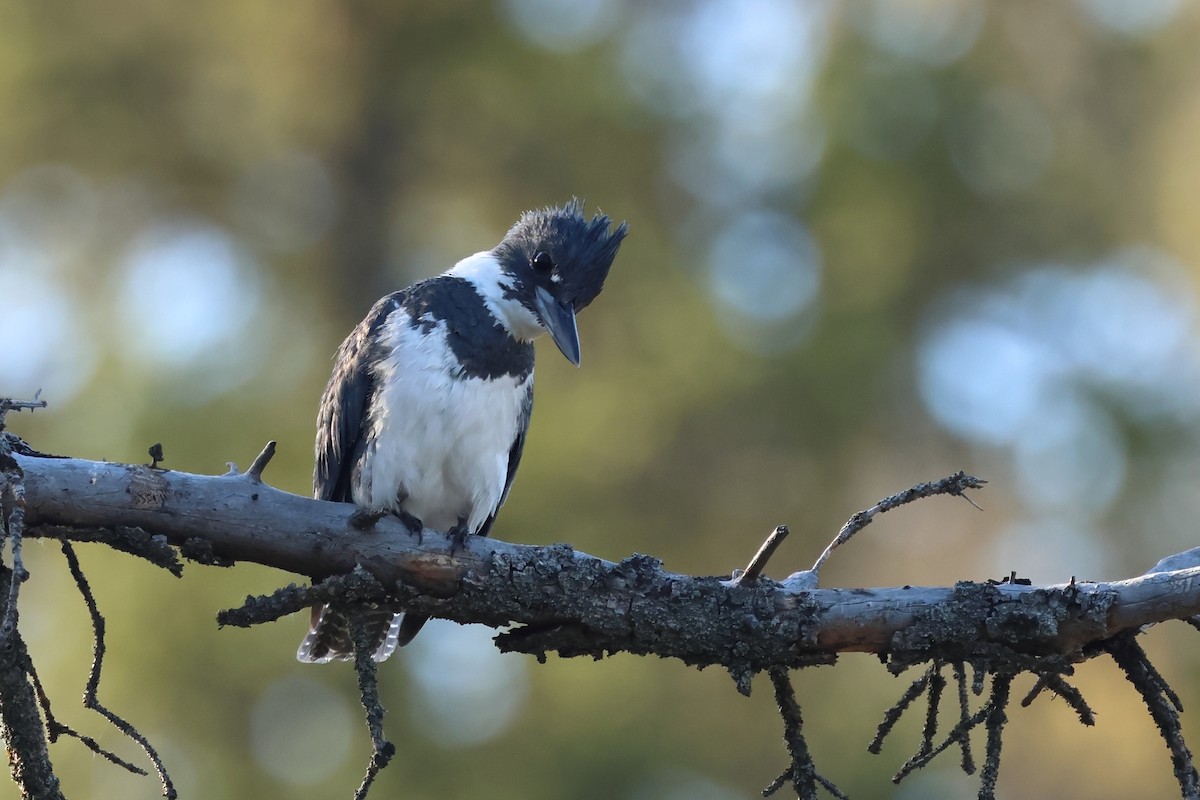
pixel 345 403
pixel 514 456
pixel 340 424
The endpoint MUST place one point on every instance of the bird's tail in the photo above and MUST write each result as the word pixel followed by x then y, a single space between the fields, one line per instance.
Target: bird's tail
pixel 329 637
pixel 410 626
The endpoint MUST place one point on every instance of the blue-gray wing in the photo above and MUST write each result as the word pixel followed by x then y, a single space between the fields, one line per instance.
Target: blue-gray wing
pixel 514 455
pixel 345 403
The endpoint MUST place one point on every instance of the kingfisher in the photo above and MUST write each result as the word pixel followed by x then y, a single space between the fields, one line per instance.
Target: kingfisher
pixel 426 411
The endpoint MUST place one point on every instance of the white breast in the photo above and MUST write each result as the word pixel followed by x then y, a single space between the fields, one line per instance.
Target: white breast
pixel 440 443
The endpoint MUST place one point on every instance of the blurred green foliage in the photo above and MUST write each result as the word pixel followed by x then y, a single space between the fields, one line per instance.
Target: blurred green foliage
pixel 198 200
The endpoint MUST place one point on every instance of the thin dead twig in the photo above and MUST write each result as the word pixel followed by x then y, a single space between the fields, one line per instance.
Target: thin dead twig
pixel 955 485
pixel 90 699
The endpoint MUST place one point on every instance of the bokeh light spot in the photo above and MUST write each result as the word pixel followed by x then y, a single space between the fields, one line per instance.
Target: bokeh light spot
pixel 739 77
pixel 188 289
pixel 300 730
pixel 765 266
pixel 746 52
pixel 981 379
pixel 53 209
pixel 1049 364
pixel 1124 327
pixel 1132 17
pixel 1054 547
pixel 46 346
pixel 564 26
pixel 1068 456
pixel 464 690
pixel 933 31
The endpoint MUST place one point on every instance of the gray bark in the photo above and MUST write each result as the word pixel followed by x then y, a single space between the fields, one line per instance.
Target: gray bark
pixel 576 604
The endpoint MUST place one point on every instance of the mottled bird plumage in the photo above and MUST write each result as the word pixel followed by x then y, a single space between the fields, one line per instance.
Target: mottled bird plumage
pixel 426 411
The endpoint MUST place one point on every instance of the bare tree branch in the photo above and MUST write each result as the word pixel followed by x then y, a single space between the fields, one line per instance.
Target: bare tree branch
pixel 563 601
pixel 577 604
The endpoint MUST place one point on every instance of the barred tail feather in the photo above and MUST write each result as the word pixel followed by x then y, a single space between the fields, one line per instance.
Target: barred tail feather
pixel 329 637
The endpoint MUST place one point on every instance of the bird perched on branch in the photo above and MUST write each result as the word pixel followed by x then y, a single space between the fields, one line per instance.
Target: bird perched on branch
pixel 426 411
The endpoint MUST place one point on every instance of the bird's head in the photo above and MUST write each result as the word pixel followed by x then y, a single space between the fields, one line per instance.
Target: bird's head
pixel 557 261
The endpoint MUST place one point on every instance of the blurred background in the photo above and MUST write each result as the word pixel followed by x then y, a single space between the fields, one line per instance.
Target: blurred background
pixel 872 243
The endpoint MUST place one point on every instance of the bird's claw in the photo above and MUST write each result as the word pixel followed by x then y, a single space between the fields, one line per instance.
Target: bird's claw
pixel 458 537
pixel 414 525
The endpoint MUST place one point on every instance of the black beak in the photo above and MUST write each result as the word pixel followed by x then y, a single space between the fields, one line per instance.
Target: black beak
pixel 559 319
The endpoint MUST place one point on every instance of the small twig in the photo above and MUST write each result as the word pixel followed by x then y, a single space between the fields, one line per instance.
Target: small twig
pixel 937 684
pixel 134 541
pixel 1164 710
pixel 1072 696
pixel 802 773
pixel 201 551
pixel 260 462
pixel 368 686
pixel 933 682
pixel 957 733
pixel 1161 684
pixel 24 735
pixel 90 700
pixel 1042 683
pixel 964 713
pixel 358 586
pixel 56 729
pixel 996 719
pixel 993 716
pixel 14 526
pixel 8 404
pixel 893 714
pixel 759 562
pixel 955 485
pixel 259 609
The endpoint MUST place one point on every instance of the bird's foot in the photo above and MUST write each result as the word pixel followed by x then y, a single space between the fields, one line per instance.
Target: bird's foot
pixel 414 525
pixel 365 518
pixel 458 536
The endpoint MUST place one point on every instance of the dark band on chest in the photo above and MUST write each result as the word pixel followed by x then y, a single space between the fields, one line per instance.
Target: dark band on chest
pixel 481 345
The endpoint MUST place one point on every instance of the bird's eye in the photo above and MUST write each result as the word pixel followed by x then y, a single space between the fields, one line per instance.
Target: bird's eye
pixel 542 262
